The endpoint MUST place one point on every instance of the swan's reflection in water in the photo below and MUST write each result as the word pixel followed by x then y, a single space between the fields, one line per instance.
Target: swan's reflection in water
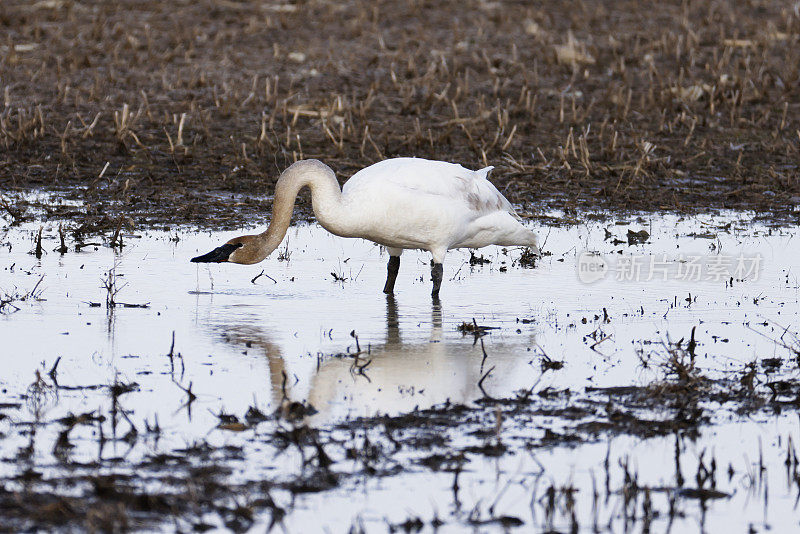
pixel 400 375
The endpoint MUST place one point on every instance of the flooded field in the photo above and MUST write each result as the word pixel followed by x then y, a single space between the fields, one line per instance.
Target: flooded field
pixel 643 372
pixel 642 375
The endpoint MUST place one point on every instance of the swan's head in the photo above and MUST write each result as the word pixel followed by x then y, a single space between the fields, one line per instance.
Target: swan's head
pixel 245 249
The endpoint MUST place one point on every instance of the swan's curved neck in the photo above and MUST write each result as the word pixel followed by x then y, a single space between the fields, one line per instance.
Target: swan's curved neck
pixel 326 199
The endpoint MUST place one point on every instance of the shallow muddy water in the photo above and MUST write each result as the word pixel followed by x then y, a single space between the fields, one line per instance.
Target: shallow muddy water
pixel 248 340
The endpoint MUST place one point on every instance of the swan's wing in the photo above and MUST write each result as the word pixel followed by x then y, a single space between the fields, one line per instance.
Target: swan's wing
pixel 484 196
pixel 450 181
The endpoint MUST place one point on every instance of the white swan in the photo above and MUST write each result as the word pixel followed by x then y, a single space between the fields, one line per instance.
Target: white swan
pixel 400 203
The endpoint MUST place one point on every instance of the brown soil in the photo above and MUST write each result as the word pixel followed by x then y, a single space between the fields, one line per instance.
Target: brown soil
pixel 161 110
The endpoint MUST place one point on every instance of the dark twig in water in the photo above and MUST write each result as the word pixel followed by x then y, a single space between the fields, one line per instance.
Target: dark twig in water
pixel 171 354
pixel 53 373
pixel 549 364
pixel 692 344
pixel 463 263
pixel 7 301
pixel 355 336
pixel 480 383
pixel 359 368
pixel 596 343
pixel 191 396
pixel 483 350
pixel 795 348
pixel 79 246
pixel 475 329
pixel 133 305
pixel 116 238
pixel 111 287
pixel 62 248
pixel 259 275
pixel 38 251
pixel 32 293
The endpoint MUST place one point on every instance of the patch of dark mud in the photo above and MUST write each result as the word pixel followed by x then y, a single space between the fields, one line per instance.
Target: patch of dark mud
pixel 624 106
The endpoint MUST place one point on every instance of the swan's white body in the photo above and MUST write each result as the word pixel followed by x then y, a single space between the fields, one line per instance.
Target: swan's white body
pixel 401 203
pixel 412 203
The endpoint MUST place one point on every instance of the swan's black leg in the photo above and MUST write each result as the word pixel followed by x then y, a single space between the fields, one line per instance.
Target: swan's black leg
pixel 391 274
pixel 437 271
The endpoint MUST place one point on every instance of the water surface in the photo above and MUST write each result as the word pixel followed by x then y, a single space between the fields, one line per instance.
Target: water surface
pixel 247 338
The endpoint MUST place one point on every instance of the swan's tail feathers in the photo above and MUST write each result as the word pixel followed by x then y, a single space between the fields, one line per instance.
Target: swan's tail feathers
pixel 484 172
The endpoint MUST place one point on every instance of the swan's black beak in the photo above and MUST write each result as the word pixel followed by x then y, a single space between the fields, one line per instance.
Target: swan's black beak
pixel 218 255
